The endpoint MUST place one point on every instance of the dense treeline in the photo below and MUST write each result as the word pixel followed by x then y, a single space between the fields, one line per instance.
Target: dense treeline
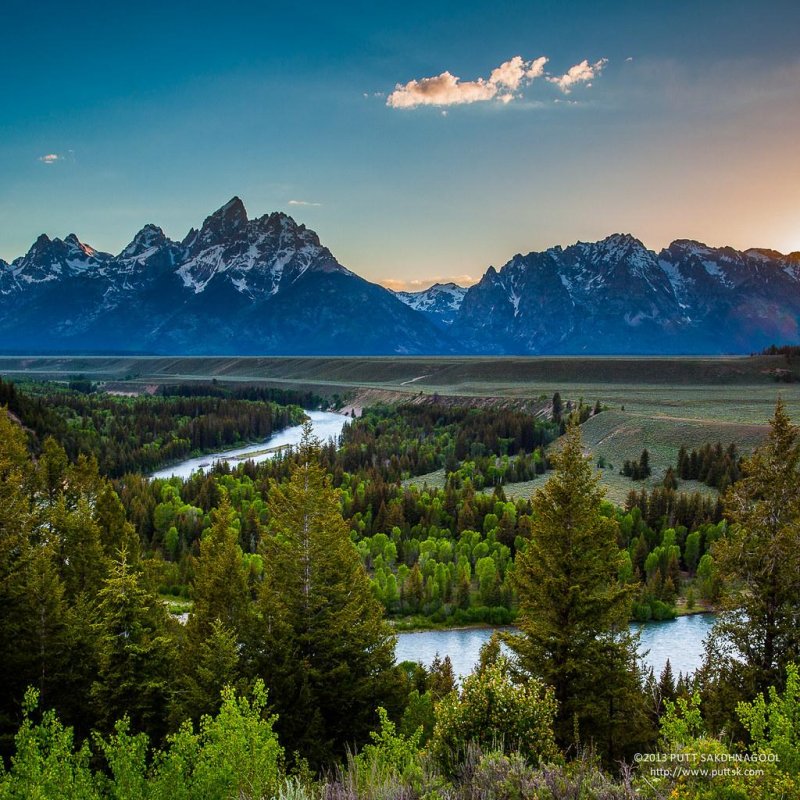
pixel 711 464
pixel 139 434
pixel 788 350
pixel 413 440
pixel 262 394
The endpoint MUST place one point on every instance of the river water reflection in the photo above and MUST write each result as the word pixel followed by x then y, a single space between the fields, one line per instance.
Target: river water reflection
pixel 679 640
pixel 326 425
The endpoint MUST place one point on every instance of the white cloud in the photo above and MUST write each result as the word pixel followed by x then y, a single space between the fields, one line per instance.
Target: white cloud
pixel 303 203
pixel 447 89
pixel 579 73
pixel 51 158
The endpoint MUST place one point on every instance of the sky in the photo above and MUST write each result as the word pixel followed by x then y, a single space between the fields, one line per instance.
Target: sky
pixel 422 141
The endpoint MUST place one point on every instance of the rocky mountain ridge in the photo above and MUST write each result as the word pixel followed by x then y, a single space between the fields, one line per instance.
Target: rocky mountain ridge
pixel 269 286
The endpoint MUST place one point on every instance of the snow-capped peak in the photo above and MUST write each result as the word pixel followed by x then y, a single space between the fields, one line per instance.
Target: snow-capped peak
pixel 440 301
pixel 147 240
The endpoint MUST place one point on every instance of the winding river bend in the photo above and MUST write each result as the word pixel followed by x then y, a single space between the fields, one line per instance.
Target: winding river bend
pixel 325 423
pixel 679 640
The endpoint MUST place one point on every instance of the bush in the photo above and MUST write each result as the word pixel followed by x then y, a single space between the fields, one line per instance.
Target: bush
pixel 495 713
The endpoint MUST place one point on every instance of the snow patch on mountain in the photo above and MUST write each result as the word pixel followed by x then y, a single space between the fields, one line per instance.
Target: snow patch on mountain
pixel 440 302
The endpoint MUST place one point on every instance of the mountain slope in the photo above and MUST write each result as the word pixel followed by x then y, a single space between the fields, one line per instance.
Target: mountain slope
pixel 440 302
pixel 240 286
pixel 617 297
pixel 235 286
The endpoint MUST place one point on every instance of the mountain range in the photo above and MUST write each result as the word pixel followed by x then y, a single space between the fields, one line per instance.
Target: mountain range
pixel 268 286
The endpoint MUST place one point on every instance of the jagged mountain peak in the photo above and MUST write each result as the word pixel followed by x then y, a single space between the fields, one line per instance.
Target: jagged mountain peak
pixel 618 246
pixel 149 237
pixel 688 247
pixel 226 223
pixel 233 211
pixel 440 302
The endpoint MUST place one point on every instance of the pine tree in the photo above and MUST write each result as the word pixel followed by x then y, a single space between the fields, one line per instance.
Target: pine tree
pixel 208 666
pixel 116 533
pixel 666 684
pixel 573 612
pixel 76 538
pixel 135 654
pixel 756 632
pixel 15 530
pixel 219 619
pixel 325 651
pixel 557 407
pixel 219 589
pixel 441 679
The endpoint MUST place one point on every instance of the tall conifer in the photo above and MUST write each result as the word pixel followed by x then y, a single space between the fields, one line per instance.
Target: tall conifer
pixel 574 611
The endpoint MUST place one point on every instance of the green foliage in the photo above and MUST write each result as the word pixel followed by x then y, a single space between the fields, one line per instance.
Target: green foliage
pixel 47 765
pixel 773 723
pixel 495 712
pixel 756 634
pixel 389 758
pixel 320 640
pixel 235 754
pixel 574 612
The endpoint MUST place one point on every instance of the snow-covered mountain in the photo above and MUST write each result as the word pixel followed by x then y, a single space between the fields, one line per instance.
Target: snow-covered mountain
pixel 616 296
pixel 439 302
pixel 236 285
pixel 268 286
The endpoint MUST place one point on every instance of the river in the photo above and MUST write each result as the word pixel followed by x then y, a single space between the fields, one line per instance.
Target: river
pixel 679 640
pixel 326 425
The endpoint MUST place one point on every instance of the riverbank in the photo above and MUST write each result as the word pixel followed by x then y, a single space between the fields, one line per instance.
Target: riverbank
pixel 325 425
pixel 680 641
pixel 417 623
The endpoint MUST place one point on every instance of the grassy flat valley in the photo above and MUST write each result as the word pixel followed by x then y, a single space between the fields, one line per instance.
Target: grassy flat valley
pixel 657 403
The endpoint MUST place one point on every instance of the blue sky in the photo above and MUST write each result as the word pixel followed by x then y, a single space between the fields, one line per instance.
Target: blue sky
pixel 682 123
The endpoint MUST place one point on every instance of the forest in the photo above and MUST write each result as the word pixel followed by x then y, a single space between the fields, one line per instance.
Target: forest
pixel 281 681
pixel 140 434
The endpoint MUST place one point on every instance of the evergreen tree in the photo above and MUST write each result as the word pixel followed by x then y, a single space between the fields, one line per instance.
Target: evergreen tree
pixel 76 538
pixel 116 533
pixel 219 589
pixel 208 665
pixel 135 653
pixel 558 407
pixel 756 633
pixel 666 684
pixel 670 481
pixel 15 529
pixel 573 612
pixel 216 626
pixel 441 679
pixel 325 651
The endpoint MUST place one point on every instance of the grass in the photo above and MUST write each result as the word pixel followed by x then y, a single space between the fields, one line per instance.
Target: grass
pixel 657 403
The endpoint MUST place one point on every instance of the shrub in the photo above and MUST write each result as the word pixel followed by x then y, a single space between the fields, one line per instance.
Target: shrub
pixel 495 713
